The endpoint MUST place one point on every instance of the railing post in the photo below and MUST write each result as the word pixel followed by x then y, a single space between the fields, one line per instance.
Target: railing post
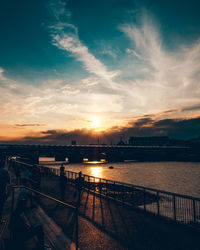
pixel 114 186
pixel 133 196
pixel 100 187
pixel 194 211
pixel 123 191
pixel 13 200
pixel 77 229
pixel 89 181
pixel 144 199
pixel 174 205
pixel 158 203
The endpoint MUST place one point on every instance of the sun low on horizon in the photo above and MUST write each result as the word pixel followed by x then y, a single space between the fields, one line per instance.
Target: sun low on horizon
pixel 96 122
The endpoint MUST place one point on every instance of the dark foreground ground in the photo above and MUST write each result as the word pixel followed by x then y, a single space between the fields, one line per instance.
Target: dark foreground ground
pixel 106 224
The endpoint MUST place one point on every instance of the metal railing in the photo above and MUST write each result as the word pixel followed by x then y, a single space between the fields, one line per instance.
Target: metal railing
pixel 75 208
pixel 180 208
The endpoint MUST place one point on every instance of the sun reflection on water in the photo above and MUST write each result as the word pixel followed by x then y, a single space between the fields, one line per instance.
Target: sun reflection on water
pixel 96 171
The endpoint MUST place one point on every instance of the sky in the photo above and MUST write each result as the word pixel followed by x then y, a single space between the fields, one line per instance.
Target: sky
pixel 82 70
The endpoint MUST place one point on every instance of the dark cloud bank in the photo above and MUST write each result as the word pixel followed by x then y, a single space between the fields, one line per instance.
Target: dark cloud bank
pixel 147 126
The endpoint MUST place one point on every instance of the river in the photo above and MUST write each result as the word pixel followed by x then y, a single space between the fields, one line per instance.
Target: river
pixel 178 177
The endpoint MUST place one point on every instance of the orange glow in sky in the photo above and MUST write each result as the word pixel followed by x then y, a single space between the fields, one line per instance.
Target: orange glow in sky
pixel 95 122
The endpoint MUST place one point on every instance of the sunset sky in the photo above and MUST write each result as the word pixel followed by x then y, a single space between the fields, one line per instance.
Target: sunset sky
pixel 80 69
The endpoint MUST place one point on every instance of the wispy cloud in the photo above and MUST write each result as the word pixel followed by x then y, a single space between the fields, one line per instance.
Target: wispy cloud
pixel 166 80
pixel 68 40
pixel 29 125
pixel 192 108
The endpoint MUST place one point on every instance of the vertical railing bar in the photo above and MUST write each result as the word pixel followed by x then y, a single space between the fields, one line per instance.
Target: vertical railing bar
pixel 13 200
pixel 144 199
pixel 77 229
pixel 183 210
pixel 158 203
pixel 114 187
pixel 174 205
pixel 187 203
pixel 188 211
pixel 122 192
pixel 100 187
pixel 185 206
pixel 194 211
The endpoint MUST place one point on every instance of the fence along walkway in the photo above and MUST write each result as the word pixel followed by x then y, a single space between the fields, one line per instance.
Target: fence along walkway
pixel 106 224
pixel 181 208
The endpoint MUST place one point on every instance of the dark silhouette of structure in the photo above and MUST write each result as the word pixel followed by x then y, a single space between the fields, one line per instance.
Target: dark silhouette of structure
pixel 149 141
pixel 76 153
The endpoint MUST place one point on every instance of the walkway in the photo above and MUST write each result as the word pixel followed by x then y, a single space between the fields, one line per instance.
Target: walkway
pixel 105 224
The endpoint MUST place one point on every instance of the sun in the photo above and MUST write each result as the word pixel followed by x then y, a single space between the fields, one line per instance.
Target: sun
pixel 95 122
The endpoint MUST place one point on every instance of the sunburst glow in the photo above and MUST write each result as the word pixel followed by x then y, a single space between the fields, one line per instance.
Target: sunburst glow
pixel 95 122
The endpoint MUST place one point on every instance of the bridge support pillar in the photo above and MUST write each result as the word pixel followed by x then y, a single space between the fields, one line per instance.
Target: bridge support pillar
pixel 33 159
pixel 111 158
pixel 75 158
pixel 60 157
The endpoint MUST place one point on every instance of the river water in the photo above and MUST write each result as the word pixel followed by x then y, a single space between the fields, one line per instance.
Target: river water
pixel 178 177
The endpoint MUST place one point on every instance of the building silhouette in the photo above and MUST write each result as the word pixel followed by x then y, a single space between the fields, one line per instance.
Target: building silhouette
pixel 149 141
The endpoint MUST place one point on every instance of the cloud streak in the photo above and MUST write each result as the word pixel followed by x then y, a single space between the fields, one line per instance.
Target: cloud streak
pixel 161 79
pixel 68 40
pixel 29 125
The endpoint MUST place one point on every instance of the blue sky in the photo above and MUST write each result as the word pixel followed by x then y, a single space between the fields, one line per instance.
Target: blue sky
pixel 97 65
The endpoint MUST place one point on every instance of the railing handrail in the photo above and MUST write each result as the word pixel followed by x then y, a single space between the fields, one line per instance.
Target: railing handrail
pixel 26 164
pixel 44 195
pixel 178 207
pixel 128 184
pixel 53 199
pixel 142 187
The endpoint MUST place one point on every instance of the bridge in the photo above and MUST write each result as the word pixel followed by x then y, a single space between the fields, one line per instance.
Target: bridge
pixel 76 153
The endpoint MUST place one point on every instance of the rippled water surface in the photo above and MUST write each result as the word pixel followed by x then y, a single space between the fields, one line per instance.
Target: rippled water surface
pixel 179 177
